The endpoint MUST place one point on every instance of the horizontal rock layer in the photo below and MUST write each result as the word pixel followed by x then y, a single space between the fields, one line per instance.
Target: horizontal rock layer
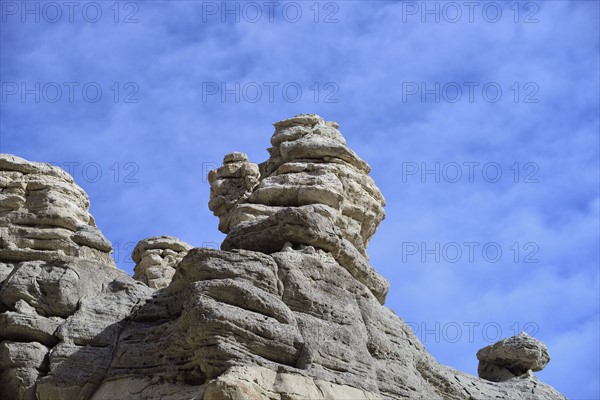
pixel 44 215
pixel 313 190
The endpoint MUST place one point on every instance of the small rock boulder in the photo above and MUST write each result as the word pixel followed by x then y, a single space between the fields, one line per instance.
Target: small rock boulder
pixel 512 357
pixel 156 259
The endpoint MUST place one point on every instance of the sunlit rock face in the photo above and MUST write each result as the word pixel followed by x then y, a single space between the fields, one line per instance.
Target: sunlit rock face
pixel 313 190
pixel 512 358
pixel 44 215
pixel 289 309
pixel 156 260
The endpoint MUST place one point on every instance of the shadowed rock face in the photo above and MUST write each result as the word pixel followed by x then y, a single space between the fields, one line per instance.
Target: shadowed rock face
pixel 290 309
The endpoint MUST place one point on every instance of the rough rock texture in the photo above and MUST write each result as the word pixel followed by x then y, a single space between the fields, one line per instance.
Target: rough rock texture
pixel 312 190
pixel 231 184
pixel 512 357
pixel 68 313
pixel 156 259
pixel 61 298
pixel 44 215
pixel 290 309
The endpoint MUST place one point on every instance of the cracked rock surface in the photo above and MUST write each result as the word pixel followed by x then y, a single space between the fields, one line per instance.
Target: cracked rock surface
pixel 289 309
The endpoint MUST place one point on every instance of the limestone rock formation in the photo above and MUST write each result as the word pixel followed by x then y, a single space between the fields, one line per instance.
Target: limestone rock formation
pixel 312 190
pixel 230 184
pixel 289 309
pixel 44 215
pixel 156 259
pixel 512 357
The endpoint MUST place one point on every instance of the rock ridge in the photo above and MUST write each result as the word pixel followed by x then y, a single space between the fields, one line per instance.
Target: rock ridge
pixel 289 309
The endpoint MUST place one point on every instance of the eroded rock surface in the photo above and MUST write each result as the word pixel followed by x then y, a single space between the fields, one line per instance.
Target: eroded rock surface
pixel 289 309
pixel 156 260
pixel 44 215
pixel 313 190
pixel 70 313
pixel 512 357
pixel 62 301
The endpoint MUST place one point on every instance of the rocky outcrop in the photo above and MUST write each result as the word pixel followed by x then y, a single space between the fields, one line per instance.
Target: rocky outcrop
pixel 289 309
pixel 44 215
pixel 231 184
pixel 61 298
pixel 156 260
pixel 312 190
pixel 245 325
pixel 68 313
pixel 22 364
pixel 513 357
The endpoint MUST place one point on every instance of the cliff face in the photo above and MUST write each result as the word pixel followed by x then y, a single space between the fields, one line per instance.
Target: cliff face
pixel 290 309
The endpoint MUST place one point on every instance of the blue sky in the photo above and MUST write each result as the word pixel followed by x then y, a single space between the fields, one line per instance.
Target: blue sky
pixel 390 73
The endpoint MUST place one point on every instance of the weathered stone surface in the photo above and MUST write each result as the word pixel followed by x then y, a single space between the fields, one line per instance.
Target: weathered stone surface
pixel 62 301
pixel 289 309
pixel 314 190
pixel 310 163
pixel 19 383
pixel 258 383
pixel 23 354
pixel 75 371
pixel 238 324
pixel 21 365
pixel 29 327
pixel 156 260
pixel 5 270
pixel 53 290
pixel 307 225
pixel 512 357
pixel 231 184
pixel 77 309
pixel 44 215
pixel 92 237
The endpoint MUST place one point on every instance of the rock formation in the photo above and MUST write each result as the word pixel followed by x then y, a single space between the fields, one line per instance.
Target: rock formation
pixel 313 190
pixel 289 309
pixel 156 260
pixel 513 357
pixel 44 215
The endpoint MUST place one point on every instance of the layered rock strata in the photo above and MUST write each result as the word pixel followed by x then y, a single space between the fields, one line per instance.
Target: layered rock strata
pixel 313 190
pixel 156 260
pixel 44 215
pixel 290 309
